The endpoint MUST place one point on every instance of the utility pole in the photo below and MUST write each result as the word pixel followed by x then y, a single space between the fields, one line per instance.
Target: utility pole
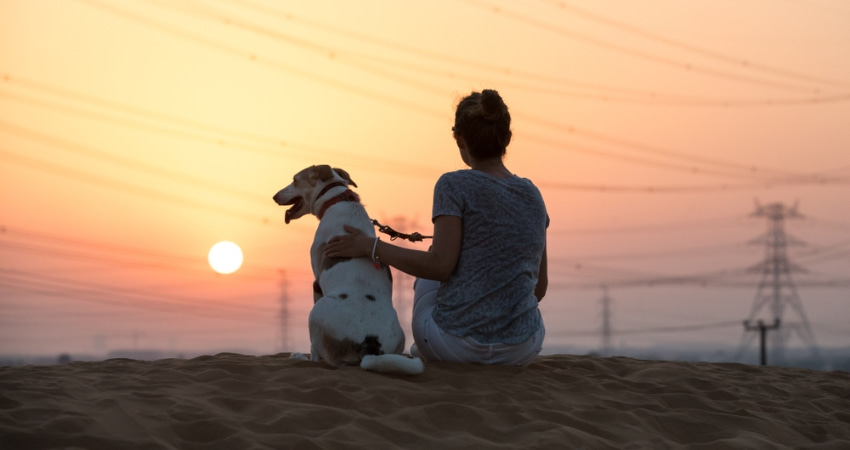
pixel 403 300
pixel 606 322
pixel 402 282
pixel 762 329
pixel 776 291
pixel 284 312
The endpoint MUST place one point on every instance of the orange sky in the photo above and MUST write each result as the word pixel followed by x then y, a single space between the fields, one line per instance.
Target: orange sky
pixel 134 135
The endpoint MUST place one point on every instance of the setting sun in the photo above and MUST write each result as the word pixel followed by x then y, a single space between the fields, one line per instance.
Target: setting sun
pixel 225 257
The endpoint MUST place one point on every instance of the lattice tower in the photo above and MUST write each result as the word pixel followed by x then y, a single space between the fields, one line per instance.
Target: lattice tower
pixel 776 292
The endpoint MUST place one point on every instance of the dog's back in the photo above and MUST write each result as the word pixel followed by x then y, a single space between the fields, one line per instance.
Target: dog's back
pixel 353 320
pixel 354 316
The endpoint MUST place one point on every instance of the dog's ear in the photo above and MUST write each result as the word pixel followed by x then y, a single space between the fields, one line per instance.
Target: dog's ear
pixel 324 172
pixel 345 175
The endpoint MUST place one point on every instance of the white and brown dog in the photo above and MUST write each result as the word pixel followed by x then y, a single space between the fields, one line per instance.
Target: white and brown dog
pixel 353 320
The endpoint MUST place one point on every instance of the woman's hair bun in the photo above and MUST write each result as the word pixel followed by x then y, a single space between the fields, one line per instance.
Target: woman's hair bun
pixel 492 105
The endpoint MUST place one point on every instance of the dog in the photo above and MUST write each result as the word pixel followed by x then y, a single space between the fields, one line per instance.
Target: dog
pixel 353 320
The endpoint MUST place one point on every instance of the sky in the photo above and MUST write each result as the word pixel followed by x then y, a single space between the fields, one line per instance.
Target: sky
pixel 134 135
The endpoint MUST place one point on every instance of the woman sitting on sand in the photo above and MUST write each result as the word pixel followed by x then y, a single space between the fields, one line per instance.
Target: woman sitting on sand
pixel 479 284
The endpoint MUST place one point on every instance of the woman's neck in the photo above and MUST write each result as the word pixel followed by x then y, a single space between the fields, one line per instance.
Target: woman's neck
pixel 495 167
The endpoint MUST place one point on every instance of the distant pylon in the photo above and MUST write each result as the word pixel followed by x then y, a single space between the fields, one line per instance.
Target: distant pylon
pixel 284 312
pixel 402 282
pixel 606 322
pixel 776 291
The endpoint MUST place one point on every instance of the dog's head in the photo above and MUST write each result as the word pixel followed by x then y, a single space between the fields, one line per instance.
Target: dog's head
pixel 305 188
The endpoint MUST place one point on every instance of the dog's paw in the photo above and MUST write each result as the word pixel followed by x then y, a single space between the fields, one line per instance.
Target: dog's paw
pixel 298 356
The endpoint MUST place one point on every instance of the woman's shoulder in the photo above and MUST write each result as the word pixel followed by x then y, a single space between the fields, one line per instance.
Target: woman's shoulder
pixel 457 176
pixel 477 175
pixel 468 177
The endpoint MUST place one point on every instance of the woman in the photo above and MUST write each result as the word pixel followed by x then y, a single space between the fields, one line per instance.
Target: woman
pixel 479 284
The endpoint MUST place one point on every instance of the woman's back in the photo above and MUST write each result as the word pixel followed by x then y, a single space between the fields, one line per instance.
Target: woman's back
pixel 490 295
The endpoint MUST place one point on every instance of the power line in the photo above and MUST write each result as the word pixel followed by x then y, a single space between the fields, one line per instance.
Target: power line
pixel 252 57
pixel 124 256
pixel 691 225
pixel 738 62
pixel 615 277
pixel 827 252
pixel 416 68
pixel 420 53
pixel 672 189
pixel 209 13
pixel 162 172
pixel 833 224
pixel 122 296
pixel 831 10
pixel 643 148
pixel 118 262
pixel 366 163
pixel 653 330
pixel 738 169
pixel 692 251
pixel 70 294
pixel 98 180
pixel 168 261
pixel 269 146
pixel 800 179
pixel 679 328
pixel 561 31
pixel 415 171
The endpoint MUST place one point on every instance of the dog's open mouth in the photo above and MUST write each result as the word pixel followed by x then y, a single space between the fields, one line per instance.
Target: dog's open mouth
pixel 296 203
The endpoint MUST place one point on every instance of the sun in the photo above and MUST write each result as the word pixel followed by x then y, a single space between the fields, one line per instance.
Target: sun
pixel 225 257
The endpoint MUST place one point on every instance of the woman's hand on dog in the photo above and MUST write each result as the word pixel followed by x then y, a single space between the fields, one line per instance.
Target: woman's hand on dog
pixel 355 244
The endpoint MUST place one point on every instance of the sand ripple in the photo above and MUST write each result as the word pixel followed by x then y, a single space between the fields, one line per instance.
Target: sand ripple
pixel 231 401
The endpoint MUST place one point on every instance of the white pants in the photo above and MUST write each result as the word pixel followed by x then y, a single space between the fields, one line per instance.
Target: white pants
pixel 434 344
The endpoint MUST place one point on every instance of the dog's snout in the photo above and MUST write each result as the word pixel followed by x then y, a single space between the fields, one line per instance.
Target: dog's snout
pixel 277 197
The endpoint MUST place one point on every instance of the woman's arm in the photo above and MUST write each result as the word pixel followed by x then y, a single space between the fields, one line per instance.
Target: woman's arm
pixel 436 264
pixel 542 277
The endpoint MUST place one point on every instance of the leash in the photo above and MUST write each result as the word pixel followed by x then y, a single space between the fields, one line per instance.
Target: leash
pixel 413 237
pixel 351 196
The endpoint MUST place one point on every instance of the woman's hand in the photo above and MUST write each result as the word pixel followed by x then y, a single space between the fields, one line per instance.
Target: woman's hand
pixel 355 244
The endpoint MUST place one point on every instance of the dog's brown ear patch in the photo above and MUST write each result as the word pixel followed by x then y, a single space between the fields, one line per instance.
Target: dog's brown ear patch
pixel 324 172
pixel 344 174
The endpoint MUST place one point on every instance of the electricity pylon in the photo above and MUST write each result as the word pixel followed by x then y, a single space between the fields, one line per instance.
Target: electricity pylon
pixel 606 322
pixel 776 291
pixel 284 312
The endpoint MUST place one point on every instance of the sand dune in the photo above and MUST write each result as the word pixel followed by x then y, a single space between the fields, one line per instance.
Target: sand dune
pixel 231 401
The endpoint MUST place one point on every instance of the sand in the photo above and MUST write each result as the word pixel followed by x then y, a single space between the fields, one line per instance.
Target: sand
pixel 231 401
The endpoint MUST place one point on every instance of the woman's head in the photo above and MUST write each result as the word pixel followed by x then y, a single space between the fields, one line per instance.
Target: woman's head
pixel 483 121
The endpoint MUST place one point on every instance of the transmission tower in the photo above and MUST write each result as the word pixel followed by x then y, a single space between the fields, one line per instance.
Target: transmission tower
pixel 402 282
pixel 606 322
pixel 284 312
pixel 776 291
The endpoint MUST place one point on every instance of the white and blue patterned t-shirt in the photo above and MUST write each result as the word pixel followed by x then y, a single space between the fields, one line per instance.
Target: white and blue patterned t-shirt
pixel 490 294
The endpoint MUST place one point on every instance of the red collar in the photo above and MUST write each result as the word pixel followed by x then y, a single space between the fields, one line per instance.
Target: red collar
pixel 347 196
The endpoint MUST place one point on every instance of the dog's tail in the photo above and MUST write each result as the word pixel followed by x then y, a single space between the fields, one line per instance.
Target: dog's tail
pixel 392 363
